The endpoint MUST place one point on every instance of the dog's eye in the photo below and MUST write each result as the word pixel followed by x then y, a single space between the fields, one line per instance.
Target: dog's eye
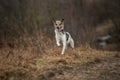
pixel 60 24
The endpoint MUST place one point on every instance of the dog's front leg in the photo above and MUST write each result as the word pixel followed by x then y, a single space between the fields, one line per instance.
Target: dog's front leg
pixel 57 40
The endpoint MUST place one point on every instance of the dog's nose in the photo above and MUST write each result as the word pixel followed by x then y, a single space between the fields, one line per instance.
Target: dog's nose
pixel 57 27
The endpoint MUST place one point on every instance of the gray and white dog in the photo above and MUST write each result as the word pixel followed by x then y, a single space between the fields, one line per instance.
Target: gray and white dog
pixel 62 36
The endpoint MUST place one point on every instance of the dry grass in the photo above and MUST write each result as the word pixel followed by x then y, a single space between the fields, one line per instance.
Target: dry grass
pixel 44 62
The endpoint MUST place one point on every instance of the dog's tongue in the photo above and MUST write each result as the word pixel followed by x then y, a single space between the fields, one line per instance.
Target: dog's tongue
pixel 59 30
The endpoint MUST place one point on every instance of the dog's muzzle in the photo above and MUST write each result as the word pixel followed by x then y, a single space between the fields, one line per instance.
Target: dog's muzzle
pixel 59 29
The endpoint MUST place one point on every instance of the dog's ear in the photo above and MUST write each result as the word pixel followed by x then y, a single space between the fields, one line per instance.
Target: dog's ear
pixel 62 20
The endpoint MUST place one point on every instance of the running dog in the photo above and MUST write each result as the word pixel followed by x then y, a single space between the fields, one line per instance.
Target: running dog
pixel 62 36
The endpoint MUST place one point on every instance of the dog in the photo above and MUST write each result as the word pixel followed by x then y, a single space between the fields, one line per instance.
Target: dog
pixel 62 36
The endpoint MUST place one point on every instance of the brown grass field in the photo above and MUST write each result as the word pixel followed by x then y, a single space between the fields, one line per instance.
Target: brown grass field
pixel 28 49
pixel 44 62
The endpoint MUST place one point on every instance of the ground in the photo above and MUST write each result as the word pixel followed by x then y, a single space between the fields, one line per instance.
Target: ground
pixel 83 64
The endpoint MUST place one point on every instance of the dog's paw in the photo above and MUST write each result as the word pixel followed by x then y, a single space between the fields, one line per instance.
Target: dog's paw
pixel 62 53
pixel 58 44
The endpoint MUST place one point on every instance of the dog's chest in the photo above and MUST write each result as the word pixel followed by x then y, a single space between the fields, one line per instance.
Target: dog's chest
pixel 61 35
pixel 64 36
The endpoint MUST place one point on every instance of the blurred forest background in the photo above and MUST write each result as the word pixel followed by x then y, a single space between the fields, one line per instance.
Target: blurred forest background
pixel 28 49
pixel 84 19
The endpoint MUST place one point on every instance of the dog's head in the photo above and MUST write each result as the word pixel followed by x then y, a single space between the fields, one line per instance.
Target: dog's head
pixel 59 25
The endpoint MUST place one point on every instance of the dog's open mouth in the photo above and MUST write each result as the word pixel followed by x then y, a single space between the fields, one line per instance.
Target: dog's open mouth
pixel 59 29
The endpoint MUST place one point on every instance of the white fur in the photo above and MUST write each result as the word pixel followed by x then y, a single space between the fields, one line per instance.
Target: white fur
pixel 61 37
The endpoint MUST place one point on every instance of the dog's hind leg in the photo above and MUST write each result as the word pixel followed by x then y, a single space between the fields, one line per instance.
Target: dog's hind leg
pixel 64 47
pixel 72 43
